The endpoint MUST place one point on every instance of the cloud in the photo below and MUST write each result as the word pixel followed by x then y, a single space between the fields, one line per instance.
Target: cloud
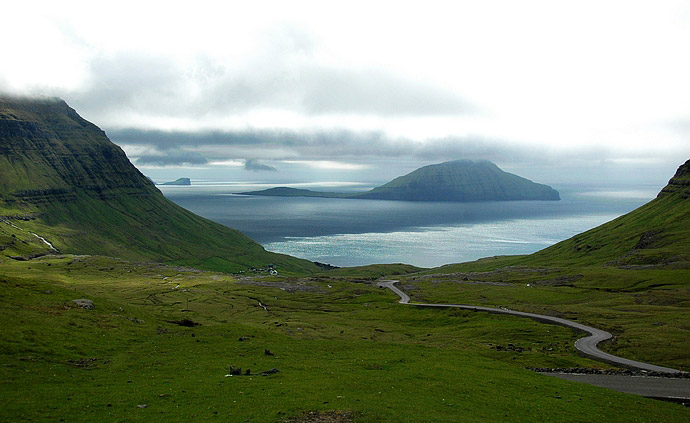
pixel 168 157
pixel 457 68
pixel 300 156
pixel 143 83
pixel 323 149
pixel 329 164
pixel 255 166
pixel 229 162
pixel 145 89
pixel 680 126
pixel 376 93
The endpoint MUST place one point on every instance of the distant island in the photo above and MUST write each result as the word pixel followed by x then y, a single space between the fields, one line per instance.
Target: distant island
pixel 180 181
pixel 458 180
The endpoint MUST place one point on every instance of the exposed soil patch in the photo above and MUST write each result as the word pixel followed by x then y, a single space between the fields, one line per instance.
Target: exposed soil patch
pixel 326 266
pixel 482 276
pixel 237 371
pixel 184 322
pixel 471 282
pixel 649 239
pixel 87 363
pixel 408 287
pixel 559 281
pixel 510 347
pixel 287 286
pixel 29 257
pixel 337 416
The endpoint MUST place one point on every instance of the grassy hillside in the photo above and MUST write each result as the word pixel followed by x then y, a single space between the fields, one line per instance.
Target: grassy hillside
pixel 462 180
pixel 657 233
pixel 630 276
pixel 342 349
pixel 63 180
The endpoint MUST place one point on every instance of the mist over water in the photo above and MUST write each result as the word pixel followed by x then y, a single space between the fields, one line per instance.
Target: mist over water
pixel 346 232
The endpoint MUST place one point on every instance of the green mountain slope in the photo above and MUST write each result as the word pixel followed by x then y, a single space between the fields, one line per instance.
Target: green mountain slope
pixel 62 180
pixel 459 180
pixel 630 277
pixel 658 233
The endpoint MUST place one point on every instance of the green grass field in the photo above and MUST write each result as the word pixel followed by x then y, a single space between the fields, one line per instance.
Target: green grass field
pixel 339 345
pixel 647 310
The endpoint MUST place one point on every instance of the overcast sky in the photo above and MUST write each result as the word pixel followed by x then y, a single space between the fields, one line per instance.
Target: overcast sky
pixel 556 91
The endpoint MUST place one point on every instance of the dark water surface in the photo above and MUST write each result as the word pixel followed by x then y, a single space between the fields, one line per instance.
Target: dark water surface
pixel 355 232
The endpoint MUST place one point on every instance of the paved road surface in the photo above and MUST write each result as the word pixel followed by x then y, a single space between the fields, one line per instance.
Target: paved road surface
pixel 586 345
pixel 655 387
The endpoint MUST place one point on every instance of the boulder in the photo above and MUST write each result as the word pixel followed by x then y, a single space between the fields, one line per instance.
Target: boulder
pixel 84 303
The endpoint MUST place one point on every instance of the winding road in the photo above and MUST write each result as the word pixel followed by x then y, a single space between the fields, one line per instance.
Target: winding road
pixel 586 345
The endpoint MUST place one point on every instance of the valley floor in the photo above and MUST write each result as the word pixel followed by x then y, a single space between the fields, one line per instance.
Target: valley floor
pixel 166 343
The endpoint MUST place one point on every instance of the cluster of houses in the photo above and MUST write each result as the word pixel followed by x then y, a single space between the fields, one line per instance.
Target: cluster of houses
pixel 271 269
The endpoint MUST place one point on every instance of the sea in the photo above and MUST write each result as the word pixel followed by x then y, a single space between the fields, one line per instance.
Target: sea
pixel 350 232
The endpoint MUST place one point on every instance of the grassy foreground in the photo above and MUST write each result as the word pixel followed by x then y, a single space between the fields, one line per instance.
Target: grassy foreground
pixel 339 346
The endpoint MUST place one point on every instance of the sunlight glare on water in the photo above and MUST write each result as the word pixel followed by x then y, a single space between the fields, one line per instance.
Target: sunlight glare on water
pixel 345 232
pixel 435 246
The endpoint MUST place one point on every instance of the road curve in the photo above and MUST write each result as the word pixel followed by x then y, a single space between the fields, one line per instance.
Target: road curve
pixel 586 345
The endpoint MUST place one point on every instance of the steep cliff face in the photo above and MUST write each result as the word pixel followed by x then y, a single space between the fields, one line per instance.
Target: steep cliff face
pixel 48 151
pixel 680 183
pixel 63 181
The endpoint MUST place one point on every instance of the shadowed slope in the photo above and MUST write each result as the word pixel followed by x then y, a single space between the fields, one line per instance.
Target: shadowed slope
pixel 61 178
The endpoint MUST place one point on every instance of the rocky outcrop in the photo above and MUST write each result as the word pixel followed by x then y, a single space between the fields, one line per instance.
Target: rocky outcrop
pixel 679 184
pixel 84 303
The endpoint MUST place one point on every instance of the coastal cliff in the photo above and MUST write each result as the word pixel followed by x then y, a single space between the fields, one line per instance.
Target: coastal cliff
pixel 64 181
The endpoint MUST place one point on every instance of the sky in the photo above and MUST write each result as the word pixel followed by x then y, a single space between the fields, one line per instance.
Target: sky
pixel 300 91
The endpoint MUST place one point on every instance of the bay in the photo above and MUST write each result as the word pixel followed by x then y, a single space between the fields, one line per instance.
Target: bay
pixel 347 232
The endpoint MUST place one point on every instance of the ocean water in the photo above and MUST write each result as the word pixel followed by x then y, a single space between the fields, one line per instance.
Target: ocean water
pixel 346 232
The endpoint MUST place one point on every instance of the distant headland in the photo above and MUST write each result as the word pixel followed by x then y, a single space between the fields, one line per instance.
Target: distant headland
pixel 180 181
